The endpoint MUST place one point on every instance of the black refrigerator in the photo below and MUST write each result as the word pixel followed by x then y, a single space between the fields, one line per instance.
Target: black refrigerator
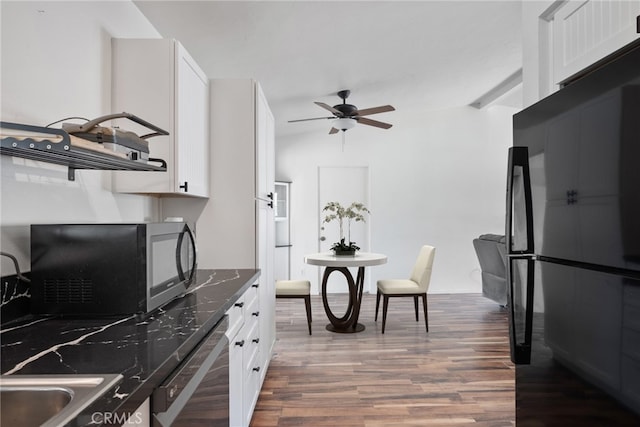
pixel 573 244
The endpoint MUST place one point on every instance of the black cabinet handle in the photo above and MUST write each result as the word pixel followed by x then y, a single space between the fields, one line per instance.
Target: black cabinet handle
pixel 519 157
pixel 239 304
pixel 269 200
pixel 255 285
pixel 256 340
pixel 240 343
pixel 520 350
pixel 185 186
pixel 257 369
pixel 255 313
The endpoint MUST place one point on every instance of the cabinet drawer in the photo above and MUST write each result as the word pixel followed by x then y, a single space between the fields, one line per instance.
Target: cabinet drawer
pixel 251 307
pixel 251 387
pixel 236 382
pixel 250 347
pixel 251 295
pixel 236 317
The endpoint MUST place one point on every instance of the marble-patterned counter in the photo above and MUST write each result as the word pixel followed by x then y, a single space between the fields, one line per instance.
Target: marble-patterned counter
pixel 143 348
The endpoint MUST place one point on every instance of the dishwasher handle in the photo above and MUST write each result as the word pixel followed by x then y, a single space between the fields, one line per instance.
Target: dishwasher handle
pixel 180 386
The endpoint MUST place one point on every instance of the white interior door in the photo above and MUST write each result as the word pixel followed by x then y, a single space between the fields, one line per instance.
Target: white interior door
pixel 345 185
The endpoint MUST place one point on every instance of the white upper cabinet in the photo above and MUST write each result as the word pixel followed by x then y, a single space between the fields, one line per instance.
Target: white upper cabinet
pixel 157 80
pixel 585 31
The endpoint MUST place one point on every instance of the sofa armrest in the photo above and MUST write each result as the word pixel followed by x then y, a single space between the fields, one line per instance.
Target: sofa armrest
pixel 491 252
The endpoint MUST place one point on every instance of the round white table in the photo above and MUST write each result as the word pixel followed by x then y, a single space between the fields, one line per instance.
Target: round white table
pixel 349 322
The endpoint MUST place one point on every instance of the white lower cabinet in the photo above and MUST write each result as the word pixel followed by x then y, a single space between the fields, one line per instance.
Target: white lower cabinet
pixel 245 362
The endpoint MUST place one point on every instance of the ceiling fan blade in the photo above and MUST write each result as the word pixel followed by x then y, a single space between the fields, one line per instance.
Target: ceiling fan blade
pixel 329 108
pixel 315 118
pixel 365 121
pixel 333 130
pixel 375 110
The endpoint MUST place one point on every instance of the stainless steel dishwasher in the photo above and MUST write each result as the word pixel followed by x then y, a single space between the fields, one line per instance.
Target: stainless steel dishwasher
pixel 197 393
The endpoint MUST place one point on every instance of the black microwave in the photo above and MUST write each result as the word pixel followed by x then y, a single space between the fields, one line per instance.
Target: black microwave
pixel 109 269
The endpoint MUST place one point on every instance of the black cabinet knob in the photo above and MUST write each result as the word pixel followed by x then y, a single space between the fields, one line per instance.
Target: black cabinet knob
pixel 572 197
pixel 185 186
pixel 239 304
pixel 240 343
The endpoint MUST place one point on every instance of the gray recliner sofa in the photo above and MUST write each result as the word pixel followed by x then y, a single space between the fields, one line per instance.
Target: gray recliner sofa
pixel 492 255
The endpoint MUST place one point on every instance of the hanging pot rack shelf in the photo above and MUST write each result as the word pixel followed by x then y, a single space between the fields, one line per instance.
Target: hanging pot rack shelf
pixel 57 146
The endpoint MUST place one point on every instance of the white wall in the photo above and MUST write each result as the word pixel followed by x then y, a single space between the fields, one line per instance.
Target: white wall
pixel 436 178
pixel 56 62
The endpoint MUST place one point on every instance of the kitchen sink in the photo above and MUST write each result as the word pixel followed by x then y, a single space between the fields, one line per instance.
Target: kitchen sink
pixel 49 400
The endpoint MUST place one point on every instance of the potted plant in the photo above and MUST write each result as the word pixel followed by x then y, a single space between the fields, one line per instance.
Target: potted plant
pixel 354 212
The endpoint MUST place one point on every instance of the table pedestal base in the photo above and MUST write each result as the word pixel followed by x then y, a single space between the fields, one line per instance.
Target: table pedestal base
pixel 347 324
pixel 359 328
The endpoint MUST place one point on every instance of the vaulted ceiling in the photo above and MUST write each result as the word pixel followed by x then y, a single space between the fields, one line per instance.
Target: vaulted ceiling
pixel 414 55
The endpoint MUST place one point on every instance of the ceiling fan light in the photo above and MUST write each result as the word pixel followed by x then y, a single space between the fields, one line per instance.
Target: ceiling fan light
pixel 344 124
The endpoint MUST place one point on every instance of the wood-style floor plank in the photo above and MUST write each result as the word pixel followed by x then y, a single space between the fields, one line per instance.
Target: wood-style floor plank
pixel 457 374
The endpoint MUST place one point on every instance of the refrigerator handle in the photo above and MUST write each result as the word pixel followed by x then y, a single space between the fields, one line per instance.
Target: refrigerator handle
pixel 520 310
pixel 520 303
pixel 519 157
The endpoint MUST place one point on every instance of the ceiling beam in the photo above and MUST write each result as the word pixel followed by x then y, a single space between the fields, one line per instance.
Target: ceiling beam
pixel 501 89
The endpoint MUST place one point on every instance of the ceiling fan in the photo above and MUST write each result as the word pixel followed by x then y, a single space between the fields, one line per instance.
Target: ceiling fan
pixel 345 116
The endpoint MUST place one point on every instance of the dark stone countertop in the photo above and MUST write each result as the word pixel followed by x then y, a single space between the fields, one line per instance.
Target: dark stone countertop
pixel 143 348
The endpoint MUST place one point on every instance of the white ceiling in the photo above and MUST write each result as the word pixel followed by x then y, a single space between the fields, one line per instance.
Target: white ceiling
pixel 414 55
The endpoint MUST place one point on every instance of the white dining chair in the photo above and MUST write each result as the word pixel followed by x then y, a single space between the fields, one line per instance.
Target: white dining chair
pixel 296 289
pixel 415 286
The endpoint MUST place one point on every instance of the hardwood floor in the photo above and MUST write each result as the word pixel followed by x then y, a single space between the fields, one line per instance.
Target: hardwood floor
pixel 457 374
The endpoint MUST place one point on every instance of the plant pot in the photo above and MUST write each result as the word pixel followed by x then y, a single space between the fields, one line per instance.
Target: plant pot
pixel 344 252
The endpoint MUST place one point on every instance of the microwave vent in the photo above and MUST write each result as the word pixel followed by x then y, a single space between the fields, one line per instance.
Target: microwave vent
pixel 68 291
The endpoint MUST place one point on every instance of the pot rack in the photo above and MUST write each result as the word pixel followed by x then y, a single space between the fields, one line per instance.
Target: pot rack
pixel 57 146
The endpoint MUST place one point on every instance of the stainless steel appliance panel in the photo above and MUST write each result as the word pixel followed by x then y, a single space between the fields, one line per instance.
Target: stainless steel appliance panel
pixel 197 393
